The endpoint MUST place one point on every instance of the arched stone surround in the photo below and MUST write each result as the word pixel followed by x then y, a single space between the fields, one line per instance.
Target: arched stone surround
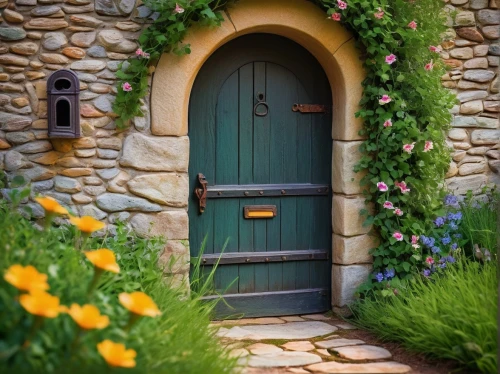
pixel 335 50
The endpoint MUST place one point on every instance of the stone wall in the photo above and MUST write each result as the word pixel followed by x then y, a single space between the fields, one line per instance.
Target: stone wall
pixel 472 50
pixel 140 178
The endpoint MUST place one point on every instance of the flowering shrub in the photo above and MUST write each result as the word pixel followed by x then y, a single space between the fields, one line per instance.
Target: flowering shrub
pixel 404 107
pixel 69 310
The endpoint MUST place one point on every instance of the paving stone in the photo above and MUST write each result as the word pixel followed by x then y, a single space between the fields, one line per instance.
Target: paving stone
pixel 338 343
pixel 283 359
pixel 293 319
pixel 362 352
pixel 261 348
pixel 323 352
pixel 292 330
pixel 239 352
pixel 346 326
pixel 297 371
pixel 316 317
pixel 251 321
pixel 301 346
pixel 390 367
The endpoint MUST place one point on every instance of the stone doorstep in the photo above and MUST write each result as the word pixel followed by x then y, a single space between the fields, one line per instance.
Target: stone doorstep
pixel 288 331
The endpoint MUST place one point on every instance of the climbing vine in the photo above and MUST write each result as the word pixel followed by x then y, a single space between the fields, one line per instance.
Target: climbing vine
pixel 404 108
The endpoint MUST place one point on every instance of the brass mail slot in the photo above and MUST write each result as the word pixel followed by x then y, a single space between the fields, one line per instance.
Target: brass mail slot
pixel 259 211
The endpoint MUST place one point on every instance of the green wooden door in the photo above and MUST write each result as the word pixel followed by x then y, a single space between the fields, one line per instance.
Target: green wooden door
pixel 253 149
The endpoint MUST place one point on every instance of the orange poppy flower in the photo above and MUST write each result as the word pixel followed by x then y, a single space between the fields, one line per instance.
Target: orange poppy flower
pixel 87 224
pixel 41 303
pixel 88 317
pixel 103 259
pixel 116 354
pixel 51 205
pixel 139 303
pixel 26 278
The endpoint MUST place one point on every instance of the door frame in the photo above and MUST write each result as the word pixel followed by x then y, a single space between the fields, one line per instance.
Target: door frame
pixel 334 48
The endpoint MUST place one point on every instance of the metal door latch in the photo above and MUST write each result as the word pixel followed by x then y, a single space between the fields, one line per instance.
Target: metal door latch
pixel 201 193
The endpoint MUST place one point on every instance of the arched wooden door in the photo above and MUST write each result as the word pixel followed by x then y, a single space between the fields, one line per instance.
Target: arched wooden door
pixel 266 202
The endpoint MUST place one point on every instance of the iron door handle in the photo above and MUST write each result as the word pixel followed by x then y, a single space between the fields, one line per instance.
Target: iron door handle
pixel 201 193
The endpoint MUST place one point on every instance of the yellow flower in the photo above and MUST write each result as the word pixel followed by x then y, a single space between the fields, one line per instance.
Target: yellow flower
pixel 139 303
pixel 26 278
pixel 41 303
pixel 51 205
pixel 87 224
pixel 103 259
pixel 116 355
pixel 88 317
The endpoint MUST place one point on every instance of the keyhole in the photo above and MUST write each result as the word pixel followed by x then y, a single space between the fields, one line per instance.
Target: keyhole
pixel 260 96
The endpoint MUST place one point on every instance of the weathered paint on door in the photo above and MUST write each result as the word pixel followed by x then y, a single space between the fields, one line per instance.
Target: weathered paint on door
pixel 235 149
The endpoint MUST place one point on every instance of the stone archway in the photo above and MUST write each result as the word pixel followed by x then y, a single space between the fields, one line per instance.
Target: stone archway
pixel 334 48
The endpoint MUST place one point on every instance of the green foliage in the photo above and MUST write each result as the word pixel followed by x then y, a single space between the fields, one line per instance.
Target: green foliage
pixel 479 224
pixel 163 36
pixel 453 316
pixel 178 341
pixel 418 112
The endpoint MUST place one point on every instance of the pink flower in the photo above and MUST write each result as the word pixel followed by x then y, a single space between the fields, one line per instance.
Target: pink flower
pixel 412 25
pixel 336 16
pixel 388 123
pixel 382 186
pixel 126 87
pixel 435 49
pixel 429 66
pixel 402 186
pixel 390 59
pixel 429 260
pixel 414 239
pixel 379 14
pixel 341 4
pixel 384 100
pixel 428 146
pixel 388 205
pixel 178 9
pixel 398 212
pixel 408 147
pixel 139 52
pixel 398 236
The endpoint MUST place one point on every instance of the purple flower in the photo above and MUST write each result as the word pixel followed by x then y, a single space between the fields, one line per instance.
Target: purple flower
pixel 454 246
pixel 439 221
pixel 450 259
pixel 435 250
pixel 379 277
pixel 458 236
pixel 451 200
pixel 446 240
pixel 443 265
pixel 427 273
pixel 455 216
pixel 389 273
pixel 427 241
pixel 453 226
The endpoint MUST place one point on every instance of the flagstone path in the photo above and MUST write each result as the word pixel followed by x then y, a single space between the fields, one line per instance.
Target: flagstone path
pixel 302 344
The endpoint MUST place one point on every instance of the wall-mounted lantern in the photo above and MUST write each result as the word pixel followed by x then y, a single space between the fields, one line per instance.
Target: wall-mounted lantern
pixel 63 104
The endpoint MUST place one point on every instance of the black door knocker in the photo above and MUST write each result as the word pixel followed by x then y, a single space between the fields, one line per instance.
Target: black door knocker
pixel 261 103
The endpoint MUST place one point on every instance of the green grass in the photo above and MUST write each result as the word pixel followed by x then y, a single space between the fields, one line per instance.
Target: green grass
pixel 454 316
pixel 178 341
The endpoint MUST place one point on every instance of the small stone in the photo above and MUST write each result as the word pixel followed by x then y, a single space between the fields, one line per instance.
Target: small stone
pixel 108 174
pixel 471 107
pixel 88 65
pixel 14 161
pixel 85 153
pixel 128 26
pixel 110 143
pixel 389 367
pixel 84 143
pixel 54 58
pixel 471 95
pixel 494 87
pixel 478 4
pixel 103 164
pixel 283 359
pixel 488 17
pixel 94 190
pixel 36 173
pixel 13 122
pixel 261 348
pixel 71 162
pixel 481 50
pixel 42 186
pixel 494 49
pixel 12 33
pixel 114 8
pixel 464 43
pixel 479 75
pixel 20 102
pixel 73 52
pixel 54 40
pixel 12 16
pixel 3 145
pixel 100 88
pixel 78 9
pixel 465 18
pixel 472 168
pixel 458 155
pixel 76 172
pixel 492 106
pixel 470 34
pixel 467 85
pixel 20 137
pixel 462 53
pixel 81 198
pixel 452 170
pixel 9 59
pixel 93 211
pixel 476 63
pixel 493 60
pixel 104 104
pixel 115 202
pixel 462 146
pixel 108 154
pixel 68 185
pixel 89 111
pixel 480 137
pixel 457 134
pixel 96 51
pixel 49 24
pixel 35 147
pixel 114 41
pixel 363 352
pixel 479 151
pixel 92 181
pixel 301 346
pixel 83 39
pixel 85 21
pixel 33 75
pixel 491 32
pixel 44 11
